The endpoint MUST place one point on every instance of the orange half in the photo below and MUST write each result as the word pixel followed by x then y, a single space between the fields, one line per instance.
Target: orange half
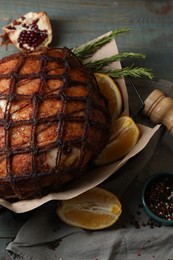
pixel 94 209
pixel 110 90
pixel 124 136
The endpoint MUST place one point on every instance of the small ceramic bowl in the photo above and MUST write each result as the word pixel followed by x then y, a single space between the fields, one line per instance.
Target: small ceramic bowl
pixel 157 198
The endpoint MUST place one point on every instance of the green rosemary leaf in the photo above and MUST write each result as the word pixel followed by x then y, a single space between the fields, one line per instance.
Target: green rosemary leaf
pixel 99 64
pixel 135 72
pixel 88 49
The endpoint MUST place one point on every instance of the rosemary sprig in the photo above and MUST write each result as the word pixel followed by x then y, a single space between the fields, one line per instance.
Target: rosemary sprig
pixel 135 72
pixel 88 49
pixel 99 64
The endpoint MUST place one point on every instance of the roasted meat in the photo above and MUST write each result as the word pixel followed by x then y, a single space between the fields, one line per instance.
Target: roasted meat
pixel 53 122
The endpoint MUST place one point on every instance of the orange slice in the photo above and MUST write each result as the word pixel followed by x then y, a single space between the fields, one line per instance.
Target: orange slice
pixel 124 136
pixel 111 91
pixel 94 209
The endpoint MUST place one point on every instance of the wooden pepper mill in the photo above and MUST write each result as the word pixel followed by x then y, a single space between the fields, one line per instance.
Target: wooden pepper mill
pixel 159 109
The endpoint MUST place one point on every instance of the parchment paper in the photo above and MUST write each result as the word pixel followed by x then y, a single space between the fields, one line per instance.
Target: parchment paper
pixel 98 175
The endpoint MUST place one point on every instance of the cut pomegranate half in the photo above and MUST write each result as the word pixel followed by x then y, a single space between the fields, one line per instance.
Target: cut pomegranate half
pixel 30 32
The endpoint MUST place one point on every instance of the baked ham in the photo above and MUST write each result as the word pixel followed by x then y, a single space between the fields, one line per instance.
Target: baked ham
pixel 53 122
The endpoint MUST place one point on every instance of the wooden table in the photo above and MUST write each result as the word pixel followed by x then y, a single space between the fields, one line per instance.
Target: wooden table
pixel 76 21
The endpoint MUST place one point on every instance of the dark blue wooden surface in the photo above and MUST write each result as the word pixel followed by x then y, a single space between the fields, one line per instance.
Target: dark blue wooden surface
pixel 77 21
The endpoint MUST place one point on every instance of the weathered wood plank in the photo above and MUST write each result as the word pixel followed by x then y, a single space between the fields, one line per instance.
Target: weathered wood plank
pixel 75 22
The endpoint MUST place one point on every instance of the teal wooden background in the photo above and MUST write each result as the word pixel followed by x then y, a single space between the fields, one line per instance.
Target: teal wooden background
pixel 75 22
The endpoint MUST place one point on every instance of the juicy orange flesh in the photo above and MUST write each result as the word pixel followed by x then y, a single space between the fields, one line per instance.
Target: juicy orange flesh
pixel 124 136
pixel 124 139
pixel 110 94
pixel 124 142
pixel 111 91
pixel 94 209
pixel 87 218
pixel 124 132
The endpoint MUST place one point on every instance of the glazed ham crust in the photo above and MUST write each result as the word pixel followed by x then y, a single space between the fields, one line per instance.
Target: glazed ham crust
pixel 53 122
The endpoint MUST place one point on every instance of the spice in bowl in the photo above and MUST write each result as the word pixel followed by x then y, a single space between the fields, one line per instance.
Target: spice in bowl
pixel 157 198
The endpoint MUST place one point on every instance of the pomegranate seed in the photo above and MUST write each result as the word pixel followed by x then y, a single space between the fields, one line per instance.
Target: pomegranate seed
pixel 11 27
pixel 26 26
pixel 15 22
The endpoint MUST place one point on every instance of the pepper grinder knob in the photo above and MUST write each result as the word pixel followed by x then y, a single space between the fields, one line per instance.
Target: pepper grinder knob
pixel 159 109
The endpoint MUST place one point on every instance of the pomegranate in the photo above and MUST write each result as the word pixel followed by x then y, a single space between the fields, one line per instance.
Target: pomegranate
pixel 30 32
